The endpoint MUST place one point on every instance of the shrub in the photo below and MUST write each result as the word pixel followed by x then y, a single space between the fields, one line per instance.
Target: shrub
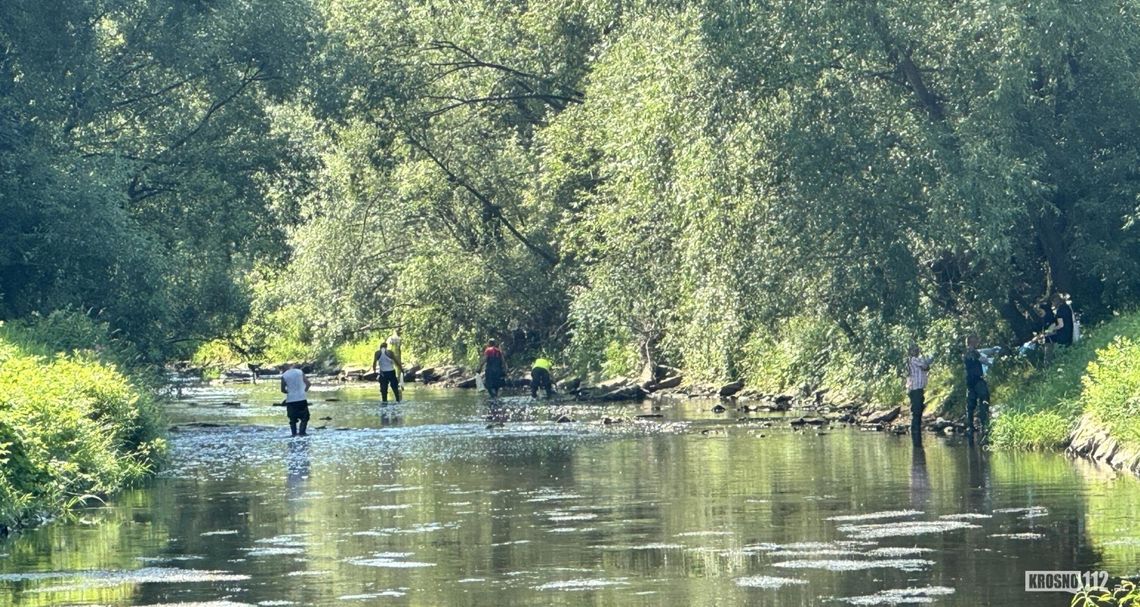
pixel 1111 389
pixel 70 426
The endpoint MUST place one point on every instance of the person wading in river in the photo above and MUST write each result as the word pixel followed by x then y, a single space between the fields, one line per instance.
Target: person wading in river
pixel 387 363
pixel 294 384
pixel 917 370
pixel 495 365
pixel 977 391
pixel 540 377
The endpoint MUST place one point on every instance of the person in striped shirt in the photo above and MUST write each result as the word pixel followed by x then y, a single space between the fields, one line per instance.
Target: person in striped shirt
pixel 917 370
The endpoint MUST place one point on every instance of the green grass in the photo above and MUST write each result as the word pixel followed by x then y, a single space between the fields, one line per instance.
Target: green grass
pixel 357 353
pixel 72 426
pixel 1038 407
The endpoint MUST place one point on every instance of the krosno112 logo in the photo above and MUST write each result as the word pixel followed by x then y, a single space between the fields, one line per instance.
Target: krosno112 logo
pixel 1064 581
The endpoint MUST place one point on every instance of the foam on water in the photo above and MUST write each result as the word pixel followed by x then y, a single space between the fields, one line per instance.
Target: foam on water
pixel 146 575
pixel 871 516
pixel 583 584
pixel 767 582
pixel 1018 536
pixel 900 596
pixel 858 565
pixel 903 529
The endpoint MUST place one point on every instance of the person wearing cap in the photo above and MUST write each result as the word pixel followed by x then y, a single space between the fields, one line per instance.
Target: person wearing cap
pixel 494 364
pixel 540 377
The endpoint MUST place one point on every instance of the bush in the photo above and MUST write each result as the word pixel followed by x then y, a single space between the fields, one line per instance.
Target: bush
pixel 1111 389
pixel 71 426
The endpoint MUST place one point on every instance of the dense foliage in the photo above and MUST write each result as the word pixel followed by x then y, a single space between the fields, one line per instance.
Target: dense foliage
pixel 784 191
pixel 72 426
pixel 1099 377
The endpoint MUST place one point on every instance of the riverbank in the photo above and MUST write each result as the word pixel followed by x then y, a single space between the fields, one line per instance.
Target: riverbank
pixel 1087 399
pixel 73 426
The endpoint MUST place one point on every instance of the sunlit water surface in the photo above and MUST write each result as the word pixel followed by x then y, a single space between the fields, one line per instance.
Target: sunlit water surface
pixel 431 503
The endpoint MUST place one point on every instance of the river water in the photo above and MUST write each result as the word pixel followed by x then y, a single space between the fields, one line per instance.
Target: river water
pixel 429 503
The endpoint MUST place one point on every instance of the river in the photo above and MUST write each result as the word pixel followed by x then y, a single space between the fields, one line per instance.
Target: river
pixel 429 503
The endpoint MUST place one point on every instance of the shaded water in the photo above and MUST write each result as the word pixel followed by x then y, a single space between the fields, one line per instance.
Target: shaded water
pixel 427 503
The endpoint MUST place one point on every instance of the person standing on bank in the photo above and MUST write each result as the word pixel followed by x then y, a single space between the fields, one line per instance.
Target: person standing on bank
pixel 977 391
pixel 386 363
pixel 495 365
pixel 540 377
pixel 294 384
pixel 917 372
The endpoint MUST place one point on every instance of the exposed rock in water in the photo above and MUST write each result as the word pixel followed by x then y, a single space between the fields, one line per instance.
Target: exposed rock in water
pixel 718 409
pixel 617 389
pixel 731 388
pixel 664 384
pixel 885 416
pixel 468 382
pixel 564 420
pixel 1093 441
pixel 568 385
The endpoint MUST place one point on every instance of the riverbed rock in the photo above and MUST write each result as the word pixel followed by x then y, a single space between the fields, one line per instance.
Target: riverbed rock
pixel 568 385
pixel 617 389
pixel 731 388
pixel 564 419
pixel 664 384
pixel 718 409
pixel 884 416
pixel 1093 441
pixel 466 383
pixel 940 424
pixel 782 402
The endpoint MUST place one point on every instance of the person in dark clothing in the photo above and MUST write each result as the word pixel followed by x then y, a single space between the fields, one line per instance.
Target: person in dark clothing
pixel 1063 319
pixel 540 377
pixel 494 364
pixel 977 391
pixel 1047 319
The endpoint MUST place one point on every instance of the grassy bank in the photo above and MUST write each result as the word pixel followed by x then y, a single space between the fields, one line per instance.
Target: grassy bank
pixel 73 425
pixel 1099 376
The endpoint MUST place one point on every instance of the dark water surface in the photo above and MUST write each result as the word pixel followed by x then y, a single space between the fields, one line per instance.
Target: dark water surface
pixel 424 504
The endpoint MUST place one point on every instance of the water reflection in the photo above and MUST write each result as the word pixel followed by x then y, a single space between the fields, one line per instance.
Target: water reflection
pixel 298 466
pixel 424 503
pixel 920 491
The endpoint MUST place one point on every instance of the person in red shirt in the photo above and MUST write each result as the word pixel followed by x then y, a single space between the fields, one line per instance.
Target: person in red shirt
pixel 495 365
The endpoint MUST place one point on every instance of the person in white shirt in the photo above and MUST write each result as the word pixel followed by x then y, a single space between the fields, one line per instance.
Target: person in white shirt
pixel 294 384
pixel 917 371
pixel 387 363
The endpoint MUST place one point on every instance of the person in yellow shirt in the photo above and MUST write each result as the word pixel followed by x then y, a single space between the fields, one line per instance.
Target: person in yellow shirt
pixel 540 377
